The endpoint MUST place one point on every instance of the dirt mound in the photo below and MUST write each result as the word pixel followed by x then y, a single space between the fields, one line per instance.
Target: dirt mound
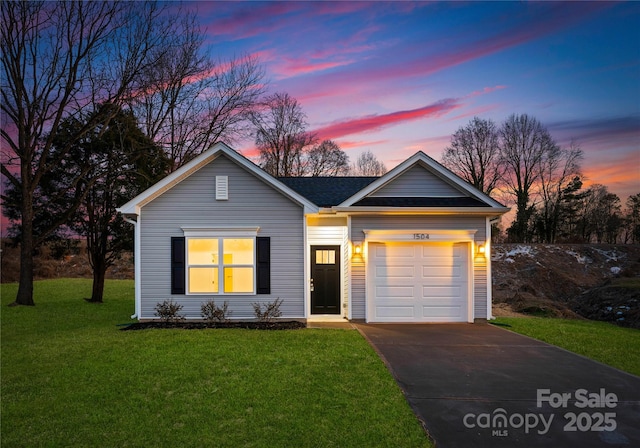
pixel 617 301
pixel 553 280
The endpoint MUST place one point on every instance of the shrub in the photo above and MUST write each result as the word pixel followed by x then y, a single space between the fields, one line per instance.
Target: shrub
pixel 213 313
pixel 271 310
pixel 168 311
pixel 63 247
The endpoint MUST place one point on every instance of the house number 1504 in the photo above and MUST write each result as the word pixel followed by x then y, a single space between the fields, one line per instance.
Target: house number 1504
pixel 420 236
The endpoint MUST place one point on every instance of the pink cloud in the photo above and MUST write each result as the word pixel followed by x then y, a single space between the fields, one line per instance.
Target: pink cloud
pixel 299 66
pixel 374 122
pixel 252 20
pixel 328 55
pixel 398 66
pixel 251 152
pixel 258 19
pixel 350 144
pixel 616 175
pixel 486 90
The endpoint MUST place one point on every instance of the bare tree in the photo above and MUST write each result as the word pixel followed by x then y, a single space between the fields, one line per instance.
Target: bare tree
pixel 601 215
pixel 632 219
pixel 281 135
pixel 558 171
pixel 474 154
pixel 524 143
pixel 368 165
pixel 327 159
pixel 58 60
pixel 190 102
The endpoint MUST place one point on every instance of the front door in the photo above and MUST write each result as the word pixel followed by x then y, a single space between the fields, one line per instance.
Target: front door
pixel 325 279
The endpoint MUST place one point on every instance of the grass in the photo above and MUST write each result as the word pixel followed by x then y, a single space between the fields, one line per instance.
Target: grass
pixel 626 282
pixel 616 346
pixel 70 378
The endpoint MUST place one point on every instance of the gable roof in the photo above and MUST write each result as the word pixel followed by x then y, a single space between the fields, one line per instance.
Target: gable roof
pixel 471 197
pixel 133 206
pixel 327 191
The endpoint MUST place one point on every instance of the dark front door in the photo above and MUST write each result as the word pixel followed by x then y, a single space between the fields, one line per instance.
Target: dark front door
pixel 325 279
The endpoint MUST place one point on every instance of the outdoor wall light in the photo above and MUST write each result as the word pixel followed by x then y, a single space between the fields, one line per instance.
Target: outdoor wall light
pixel 482 249
pixel 358 249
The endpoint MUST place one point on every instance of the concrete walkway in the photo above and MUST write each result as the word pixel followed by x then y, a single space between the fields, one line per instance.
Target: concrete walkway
pixel 478 385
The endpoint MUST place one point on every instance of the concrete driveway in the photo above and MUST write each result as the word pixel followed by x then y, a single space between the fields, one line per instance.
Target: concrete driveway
pixel 478 385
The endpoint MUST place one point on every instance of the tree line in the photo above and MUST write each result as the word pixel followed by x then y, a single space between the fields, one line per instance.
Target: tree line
pixel 102 99
pixel 520 163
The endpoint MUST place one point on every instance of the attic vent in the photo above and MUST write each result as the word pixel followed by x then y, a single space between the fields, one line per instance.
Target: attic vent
pixel 222 188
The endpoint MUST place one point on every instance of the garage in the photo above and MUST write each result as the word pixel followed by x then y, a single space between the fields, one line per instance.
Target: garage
pixel 418 282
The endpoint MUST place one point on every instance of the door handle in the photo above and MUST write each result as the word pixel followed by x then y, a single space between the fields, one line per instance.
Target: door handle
pixel 311 286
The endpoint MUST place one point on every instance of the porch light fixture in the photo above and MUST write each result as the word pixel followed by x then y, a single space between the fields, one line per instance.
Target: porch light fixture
pixel 482 249
pixel 358 249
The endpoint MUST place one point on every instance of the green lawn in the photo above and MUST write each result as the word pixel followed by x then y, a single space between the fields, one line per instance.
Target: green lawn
pixel 70 378
pixel 616 346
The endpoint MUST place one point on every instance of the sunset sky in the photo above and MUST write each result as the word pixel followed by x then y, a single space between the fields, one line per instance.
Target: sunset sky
pixel 395 78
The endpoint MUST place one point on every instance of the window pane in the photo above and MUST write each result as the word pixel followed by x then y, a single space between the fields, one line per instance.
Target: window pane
pixel 202 251
pixel 238 279
pixel 203 280
pixel 325 257
pixel 238 250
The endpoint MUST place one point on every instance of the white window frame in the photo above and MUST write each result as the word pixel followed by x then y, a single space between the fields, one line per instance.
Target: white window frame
pixel 220 234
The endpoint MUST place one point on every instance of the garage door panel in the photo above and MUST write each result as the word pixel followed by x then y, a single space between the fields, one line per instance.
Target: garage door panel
pixel 395 292
pixel 393 272
pixel 437 250
pixel 442 312
pixel 395 312
pixel 439 280
pixel 386 251
pixel 453 293
pixel 441 271
pixel 418 282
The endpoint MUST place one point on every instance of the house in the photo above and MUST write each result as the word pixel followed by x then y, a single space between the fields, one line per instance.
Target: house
pixel 410 246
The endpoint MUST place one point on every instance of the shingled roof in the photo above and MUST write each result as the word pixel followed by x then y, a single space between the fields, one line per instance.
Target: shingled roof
pixel 327 191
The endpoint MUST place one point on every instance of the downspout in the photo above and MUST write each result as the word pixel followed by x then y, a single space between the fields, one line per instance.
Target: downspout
pixel 136 261
pixel 487 254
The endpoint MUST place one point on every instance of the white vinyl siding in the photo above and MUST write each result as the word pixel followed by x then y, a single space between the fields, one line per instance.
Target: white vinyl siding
pixel 418 182
pixel 252 203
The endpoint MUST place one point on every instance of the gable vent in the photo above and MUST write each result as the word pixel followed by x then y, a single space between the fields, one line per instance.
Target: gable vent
pixel 222 188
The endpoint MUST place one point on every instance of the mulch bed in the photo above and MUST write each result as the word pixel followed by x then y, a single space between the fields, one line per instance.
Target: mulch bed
pixel 289 325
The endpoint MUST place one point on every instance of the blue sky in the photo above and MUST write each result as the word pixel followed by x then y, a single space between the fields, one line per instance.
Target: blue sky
pixel 395 78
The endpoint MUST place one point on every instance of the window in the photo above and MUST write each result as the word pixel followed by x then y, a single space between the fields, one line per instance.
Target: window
pixel 221 265
pixel 325 257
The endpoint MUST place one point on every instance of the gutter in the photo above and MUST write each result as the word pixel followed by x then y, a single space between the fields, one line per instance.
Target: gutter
pixel 486 211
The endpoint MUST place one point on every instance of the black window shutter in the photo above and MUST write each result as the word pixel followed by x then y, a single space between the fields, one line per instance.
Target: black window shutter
pixel 263 257
pixel 177 265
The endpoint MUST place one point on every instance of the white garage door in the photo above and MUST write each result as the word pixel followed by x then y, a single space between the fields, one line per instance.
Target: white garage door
pixel 426 282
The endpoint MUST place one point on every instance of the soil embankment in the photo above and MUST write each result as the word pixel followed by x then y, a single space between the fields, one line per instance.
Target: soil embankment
pixel 600 282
